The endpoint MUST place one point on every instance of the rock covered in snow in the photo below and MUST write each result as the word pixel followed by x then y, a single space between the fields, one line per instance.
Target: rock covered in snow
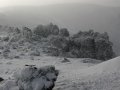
pixel 64 32
pixel 103 49
pixel 85 47
pixel 27 33
pixel 46 30
pixel 90 44
pixel 32 78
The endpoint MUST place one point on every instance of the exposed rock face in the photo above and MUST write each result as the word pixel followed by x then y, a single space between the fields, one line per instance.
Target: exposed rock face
pixel 27 33
pixel 58 42
pixel 85 47
pixel 103 49
pixel 1 79
pixel 58 45
pixel 87 44
pixel 17 31
pixel 40 31
pixel 91 44
pixel 32 78
pixel 46 30
pixel 64 32
pixel 54 29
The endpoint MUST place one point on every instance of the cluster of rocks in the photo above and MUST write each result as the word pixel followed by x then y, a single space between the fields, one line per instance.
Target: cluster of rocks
pixel 84 44
pixel 58 42
pixel 17 43
pixel 50 29
pixel 32 78
pixel 92 44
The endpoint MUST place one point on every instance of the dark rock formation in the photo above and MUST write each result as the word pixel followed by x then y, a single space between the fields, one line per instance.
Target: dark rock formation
pixel 54 29
pixel 58 42
pixel 40 30
pixel 85 47
pixel 32 78
pixel 17 31
pixel 65 60
pixel 58 45
pixel 90 44
pixel 103 49
pixel 1 79
pixel 46 30
pixel 64 32
pixel 87 44
pixel 27 33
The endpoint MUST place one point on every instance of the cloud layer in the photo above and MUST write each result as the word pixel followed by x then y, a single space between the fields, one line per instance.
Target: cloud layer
pixel 4 3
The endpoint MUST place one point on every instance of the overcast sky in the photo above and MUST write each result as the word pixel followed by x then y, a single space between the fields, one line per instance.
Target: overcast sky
pixel 5 3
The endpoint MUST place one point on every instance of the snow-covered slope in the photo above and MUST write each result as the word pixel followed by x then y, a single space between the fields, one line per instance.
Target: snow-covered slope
pixel 110 66
pixel 74 75
pixel 104 76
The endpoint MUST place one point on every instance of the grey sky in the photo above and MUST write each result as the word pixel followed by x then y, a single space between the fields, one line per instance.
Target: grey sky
pixel 4 3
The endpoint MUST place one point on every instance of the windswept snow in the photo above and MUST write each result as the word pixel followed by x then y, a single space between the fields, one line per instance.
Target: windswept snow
pixel 103 76
pixel 74 75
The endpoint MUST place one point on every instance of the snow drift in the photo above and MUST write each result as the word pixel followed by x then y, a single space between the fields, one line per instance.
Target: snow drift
pixel 104 76
pixel 110 66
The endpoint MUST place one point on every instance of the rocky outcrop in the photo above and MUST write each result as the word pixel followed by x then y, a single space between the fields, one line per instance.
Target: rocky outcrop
pixel 58 42
pixel 54 29
pixel 85 47
pixel 32 78
pixel 1 79
pixel 64 32
pixel 58 45
pixel 90 44
pixel 87 44
pixel 46 30
pixel 103 49
pixel 27 33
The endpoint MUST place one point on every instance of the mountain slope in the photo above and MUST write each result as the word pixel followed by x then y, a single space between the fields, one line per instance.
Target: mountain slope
pixel 104 76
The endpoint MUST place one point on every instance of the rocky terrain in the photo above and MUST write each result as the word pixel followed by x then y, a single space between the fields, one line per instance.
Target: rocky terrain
pixel 54 41
pixel 32 78
pixel 75 74
pixel 33 59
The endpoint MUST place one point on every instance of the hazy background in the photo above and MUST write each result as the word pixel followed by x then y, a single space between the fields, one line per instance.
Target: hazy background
pixel 4 3
pixel 100 15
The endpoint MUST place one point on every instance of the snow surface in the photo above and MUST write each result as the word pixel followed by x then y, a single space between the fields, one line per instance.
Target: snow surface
pixel 74 75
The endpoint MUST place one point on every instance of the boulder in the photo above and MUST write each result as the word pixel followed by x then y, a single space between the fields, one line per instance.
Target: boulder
pixel 103 49
pixel 90 44
pixel 65 60
pixel 32 78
